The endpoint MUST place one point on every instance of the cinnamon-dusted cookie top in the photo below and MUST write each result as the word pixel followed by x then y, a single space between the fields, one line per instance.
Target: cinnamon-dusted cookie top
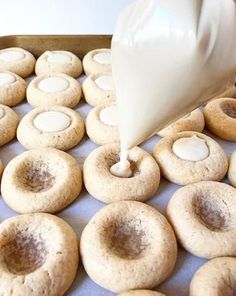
pixel 39 255
pixel 41 180
pixel 128 245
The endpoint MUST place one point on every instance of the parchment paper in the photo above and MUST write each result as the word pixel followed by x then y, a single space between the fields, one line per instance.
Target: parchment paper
pixel 80 212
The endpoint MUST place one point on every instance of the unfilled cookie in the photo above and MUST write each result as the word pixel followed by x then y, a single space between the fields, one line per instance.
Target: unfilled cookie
pixel 128 245
pixel 57 127
pixel 215 277
pixel 99 89
pixel 104 186
pixel 220 116
pixel 190 157
pixel 41 180
pixel 59 61
pixel 8 123
pixel 17 60
pixel 12 88
pixel 39 255
pixel 97 61
pixel 101 124
pixel 54 89
pixel 203 216
pixel 194 121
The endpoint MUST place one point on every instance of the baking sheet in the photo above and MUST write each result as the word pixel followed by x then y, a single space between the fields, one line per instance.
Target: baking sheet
pixel 80 212
pixel 37 44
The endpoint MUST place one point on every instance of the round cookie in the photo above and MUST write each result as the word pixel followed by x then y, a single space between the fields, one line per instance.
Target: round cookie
pixel 98 89
pixel 141 293
pixel 60 61
pixel 17 60
pixel 194 121
pixel 101 124
pixel 12 88
pixel 203 216
pixel 220 117
pixel 8 124
pixel 57 127
pixel 97 61
pixel 41 180
pixel 105 186
pixel 216 277
pixel 190 157
pixel 232 169
pixel 39 255
pixel 128 245
pixel 54 89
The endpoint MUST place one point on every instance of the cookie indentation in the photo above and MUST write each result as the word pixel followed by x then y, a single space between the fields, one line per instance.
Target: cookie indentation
pixel 213 214
pixel 53 84
pixel 134 168
pixel 229 109
pixel 127 239
pixel 24 253
pixel 105 82
pixel 55 57
pixel 37 177
pixel 12 55
pixel 114 159
pixel 103 58
pixel 6 79
pixel 109 116
pixel 52 121
pixel 191 148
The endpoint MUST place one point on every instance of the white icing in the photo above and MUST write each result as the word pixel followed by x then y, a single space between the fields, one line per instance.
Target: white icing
pixel 12 55
pixel 105 82
pixel 121 169
pixel 2 112
pixel 52 121
pixel 6 78
pixel 53 84
pixel 103 58
pixel 191 148
pixel 55 57
pixel 108 115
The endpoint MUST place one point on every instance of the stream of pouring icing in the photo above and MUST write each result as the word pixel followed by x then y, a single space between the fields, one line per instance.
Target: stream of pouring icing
pixel 168 57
